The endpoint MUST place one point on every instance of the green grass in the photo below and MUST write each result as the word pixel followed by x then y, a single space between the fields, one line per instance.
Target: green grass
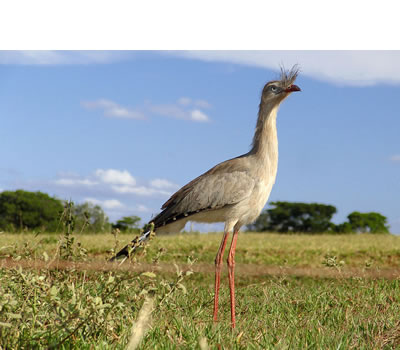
pixel 75 307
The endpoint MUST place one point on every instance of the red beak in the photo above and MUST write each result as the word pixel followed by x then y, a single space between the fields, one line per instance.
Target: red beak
pixel 292 88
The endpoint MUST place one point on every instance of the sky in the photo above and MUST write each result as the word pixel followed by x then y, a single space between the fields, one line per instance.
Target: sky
pixel 126 129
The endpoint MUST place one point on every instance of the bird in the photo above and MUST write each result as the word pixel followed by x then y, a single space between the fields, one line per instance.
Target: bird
pixel 233 192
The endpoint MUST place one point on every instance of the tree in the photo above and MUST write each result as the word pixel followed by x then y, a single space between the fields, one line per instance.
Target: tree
pixel 90 217
pixel 295 217
pixel 368 222
pixel 315 218
pixel 21 210
pixel 343 228
pixel 128 224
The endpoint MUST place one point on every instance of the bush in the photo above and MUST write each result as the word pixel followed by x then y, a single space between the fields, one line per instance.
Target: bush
pixel 21 210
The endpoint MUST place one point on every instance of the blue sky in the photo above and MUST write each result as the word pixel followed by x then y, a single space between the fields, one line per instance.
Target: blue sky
pixel 127 129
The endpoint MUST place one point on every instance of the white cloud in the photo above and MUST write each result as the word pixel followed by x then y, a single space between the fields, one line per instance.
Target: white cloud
pixel 107 204
pixel 115 177
pixel 140 190
pixel 357 68
pixel 113 182
pixel 199 116
pixel 162 183
pixel 156 187
pixel 180 110
pixel 395 158
pixel 113 110
pixel 346 67
pixel 75 182
pixel 183 109
pixel 43 57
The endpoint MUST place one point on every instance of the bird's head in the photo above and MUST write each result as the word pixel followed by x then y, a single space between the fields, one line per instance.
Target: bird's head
pixel 277 90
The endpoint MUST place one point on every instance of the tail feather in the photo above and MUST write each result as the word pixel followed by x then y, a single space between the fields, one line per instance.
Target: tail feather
pixel 131 247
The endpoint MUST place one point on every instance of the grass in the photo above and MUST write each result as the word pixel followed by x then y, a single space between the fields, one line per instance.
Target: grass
pixel 83 303
pixel 252 248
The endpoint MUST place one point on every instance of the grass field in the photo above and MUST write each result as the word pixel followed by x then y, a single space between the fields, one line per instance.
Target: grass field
pixel 293 292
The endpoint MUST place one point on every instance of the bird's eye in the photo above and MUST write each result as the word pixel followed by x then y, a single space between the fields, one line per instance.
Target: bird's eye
pixel 273 88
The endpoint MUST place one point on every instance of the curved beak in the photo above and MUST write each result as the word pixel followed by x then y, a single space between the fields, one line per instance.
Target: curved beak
pixel 292 88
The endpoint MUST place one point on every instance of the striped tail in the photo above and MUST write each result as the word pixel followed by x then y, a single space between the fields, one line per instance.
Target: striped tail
pixel 131 247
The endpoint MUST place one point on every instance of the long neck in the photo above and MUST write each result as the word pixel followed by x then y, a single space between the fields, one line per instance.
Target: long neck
pixel 265 140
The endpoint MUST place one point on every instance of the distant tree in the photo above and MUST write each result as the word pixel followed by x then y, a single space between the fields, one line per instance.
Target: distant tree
pixel 343 228
pixel 315 218
pixel 295 217
pixel 21 210
pixel 368 222
pixel 128 224
pixel 90 217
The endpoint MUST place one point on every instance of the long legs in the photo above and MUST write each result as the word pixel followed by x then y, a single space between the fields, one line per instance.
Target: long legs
pixel 231 273
pixel 218 262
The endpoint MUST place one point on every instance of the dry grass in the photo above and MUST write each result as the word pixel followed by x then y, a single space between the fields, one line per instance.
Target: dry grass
pixel 249 270
pixel 141 326
pixel 365 250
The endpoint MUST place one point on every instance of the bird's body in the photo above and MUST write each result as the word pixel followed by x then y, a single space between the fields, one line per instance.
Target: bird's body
pixel 227 191
pixel 234 191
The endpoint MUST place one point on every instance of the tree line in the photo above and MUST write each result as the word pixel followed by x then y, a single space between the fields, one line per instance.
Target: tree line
pixel 298 217
pixel 23 210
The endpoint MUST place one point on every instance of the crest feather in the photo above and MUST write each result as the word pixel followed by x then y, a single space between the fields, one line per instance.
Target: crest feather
pixel 289 76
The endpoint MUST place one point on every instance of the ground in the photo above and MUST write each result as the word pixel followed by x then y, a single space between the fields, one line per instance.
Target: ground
pixel 293 292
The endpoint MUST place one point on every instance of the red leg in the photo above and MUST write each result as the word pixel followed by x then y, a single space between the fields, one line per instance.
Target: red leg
pixel 231 274
pixel 218 261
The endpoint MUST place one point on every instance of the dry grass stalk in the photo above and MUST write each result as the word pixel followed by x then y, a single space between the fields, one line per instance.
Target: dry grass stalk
pixel 141 326
pixel 203 343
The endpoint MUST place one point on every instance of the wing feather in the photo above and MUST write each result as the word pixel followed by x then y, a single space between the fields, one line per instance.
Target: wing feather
pixel 216 191
pixel 225 184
